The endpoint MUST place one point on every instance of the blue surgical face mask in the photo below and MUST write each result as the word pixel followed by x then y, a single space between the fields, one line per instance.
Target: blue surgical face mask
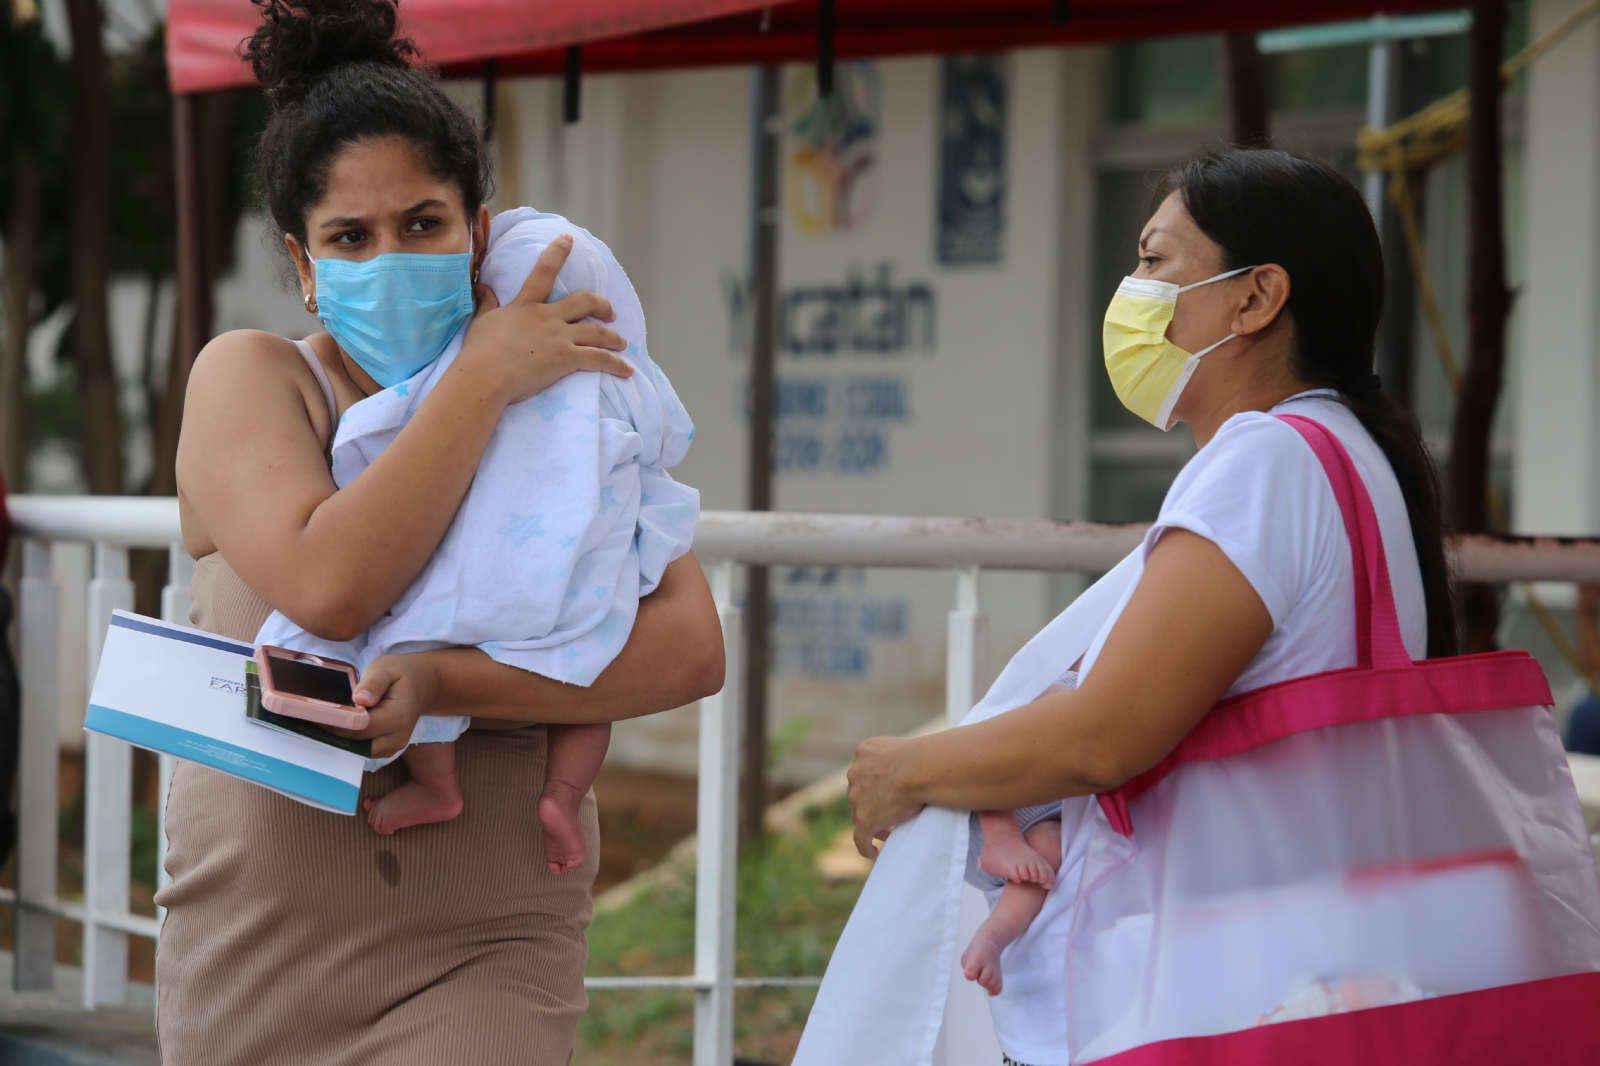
pixel 394 313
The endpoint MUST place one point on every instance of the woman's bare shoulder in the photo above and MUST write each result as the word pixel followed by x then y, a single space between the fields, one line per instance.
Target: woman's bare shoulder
pixel 243 356
pixel 260 370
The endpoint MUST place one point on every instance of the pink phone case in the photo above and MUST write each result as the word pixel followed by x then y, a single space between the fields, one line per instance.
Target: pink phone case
pixel 343 715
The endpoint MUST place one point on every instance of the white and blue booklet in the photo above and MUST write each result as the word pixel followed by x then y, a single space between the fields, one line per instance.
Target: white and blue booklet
pixel 183 692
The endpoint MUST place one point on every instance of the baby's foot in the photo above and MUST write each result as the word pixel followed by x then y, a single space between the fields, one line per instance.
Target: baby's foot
pixel 559 814
pixel 1012 859
pixel 981 962
pixel 414 803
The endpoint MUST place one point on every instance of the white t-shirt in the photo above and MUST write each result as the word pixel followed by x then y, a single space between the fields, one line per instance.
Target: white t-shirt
pixel 1259 493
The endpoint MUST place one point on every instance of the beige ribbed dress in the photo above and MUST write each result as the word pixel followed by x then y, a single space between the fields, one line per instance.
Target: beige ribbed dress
pixel 303 938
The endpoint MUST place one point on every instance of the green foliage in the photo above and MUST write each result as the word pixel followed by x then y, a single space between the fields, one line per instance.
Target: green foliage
pixel 787 739
pixel 53 412
pixel 789 919
pixel 142 843
pixel 1165 80
pixel 143 211
pixel 35 120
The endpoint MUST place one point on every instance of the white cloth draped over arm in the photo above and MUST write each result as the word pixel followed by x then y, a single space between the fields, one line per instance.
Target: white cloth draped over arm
pixel 882 1000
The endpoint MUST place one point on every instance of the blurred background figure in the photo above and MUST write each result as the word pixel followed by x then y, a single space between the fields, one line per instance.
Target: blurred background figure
pixel 1583 727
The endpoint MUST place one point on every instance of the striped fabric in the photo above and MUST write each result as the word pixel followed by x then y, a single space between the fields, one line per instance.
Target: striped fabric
pixel 1028 817
pixel 294 936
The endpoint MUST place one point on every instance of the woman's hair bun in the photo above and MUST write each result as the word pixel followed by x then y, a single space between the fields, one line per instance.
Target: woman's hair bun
pixel 300 40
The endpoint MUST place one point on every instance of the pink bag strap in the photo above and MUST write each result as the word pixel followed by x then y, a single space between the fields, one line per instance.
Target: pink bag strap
pixel 1385 683
pixel 1378 640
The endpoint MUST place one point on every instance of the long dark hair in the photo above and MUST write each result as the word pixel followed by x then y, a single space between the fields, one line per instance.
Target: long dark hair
pixel 1264 206
pixel 335 73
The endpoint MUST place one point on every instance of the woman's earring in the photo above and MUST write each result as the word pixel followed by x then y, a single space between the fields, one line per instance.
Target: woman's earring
pixel 311 303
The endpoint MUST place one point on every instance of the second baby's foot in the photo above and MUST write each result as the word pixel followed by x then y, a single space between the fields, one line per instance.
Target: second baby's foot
pixel 413 803
pixel 560 814
pixel 1014 860
pixel 981 962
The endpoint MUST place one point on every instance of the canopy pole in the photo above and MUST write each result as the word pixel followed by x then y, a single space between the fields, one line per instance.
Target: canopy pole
pixel 491 74
pixel 572 84
pixel 1249 126
pixel 764 219
pixel 825 48
pixel 194 289
pixel 1488 307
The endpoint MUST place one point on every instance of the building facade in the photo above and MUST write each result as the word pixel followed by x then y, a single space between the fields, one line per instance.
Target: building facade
pixel 952 228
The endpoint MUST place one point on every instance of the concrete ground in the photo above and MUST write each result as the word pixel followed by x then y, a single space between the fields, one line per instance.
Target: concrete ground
pixel 52 1028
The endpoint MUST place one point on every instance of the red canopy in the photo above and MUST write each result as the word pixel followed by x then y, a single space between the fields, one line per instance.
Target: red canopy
pixel 203 35
pixel 529 36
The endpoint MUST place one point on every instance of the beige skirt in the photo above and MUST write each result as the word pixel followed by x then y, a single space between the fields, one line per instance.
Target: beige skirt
pixel 303 938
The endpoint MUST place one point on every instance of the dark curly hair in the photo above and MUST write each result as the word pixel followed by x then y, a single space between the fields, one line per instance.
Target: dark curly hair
pixel 335 73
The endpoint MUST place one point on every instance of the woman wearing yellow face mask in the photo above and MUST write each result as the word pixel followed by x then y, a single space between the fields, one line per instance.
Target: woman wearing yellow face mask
pixel 1233 718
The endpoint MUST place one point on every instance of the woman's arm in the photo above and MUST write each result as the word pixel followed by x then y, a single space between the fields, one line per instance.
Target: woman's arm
pixel 253 472
pixel 673 657
pixel 1190 628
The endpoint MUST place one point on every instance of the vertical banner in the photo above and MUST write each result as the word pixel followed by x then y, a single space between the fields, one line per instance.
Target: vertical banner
pixel 972 159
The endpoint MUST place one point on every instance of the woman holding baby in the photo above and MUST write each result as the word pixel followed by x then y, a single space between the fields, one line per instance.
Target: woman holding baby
pixel 293 935
pixel 1242 801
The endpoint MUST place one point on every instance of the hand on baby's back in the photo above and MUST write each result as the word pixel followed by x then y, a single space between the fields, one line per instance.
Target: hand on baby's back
pixel 504 339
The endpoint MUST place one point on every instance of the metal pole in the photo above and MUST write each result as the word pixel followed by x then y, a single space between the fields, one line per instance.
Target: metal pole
pixel 1488 309
pixel 1249 122
pixel 967 654
pixel 825 48
pixel 38 819
pixel 491 73
pixel 717 844
pixel 572 85
pixel 1380 64
pixel 194 288
pixel 108 807
pixel 764 219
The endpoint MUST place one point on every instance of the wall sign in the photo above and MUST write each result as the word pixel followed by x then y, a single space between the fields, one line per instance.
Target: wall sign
pixel 972 159
pixel 831 159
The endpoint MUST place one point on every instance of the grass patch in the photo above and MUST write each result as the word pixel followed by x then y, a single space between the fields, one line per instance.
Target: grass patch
pixel 788 921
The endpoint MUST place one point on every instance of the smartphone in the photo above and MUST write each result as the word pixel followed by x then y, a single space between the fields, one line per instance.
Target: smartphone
pixel 306 686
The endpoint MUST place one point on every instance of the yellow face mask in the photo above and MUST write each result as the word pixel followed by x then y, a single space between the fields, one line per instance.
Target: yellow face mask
pixel 1147 370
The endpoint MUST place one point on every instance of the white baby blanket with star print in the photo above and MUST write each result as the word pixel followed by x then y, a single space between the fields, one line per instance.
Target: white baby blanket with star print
pixel 572 516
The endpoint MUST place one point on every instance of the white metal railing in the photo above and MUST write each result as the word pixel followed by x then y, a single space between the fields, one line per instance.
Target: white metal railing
pixel 723 541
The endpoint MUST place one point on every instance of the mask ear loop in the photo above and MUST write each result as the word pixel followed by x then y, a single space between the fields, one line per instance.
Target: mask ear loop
pixel 1219 277
pixel 1164 416
pixel 309 299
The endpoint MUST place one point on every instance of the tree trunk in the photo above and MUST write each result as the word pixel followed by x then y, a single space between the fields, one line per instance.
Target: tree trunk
pixel 1488 306
pixel 91 251
pixel 1249 126
pixel 22 248
pixel 201 126
pixel 768 141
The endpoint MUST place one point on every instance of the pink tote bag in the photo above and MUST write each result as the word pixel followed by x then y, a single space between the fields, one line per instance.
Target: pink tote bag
pixel 1380 865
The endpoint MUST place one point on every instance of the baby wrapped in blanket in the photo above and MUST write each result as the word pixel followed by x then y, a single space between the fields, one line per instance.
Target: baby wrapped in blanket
pixel 571 518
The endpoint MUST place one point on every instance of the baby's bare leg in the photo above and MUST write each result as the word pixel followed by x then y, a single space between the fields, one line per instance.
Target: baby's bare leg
pixel 1007 854
pixel 573 762
pixel 432 795
pixel 1018 906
